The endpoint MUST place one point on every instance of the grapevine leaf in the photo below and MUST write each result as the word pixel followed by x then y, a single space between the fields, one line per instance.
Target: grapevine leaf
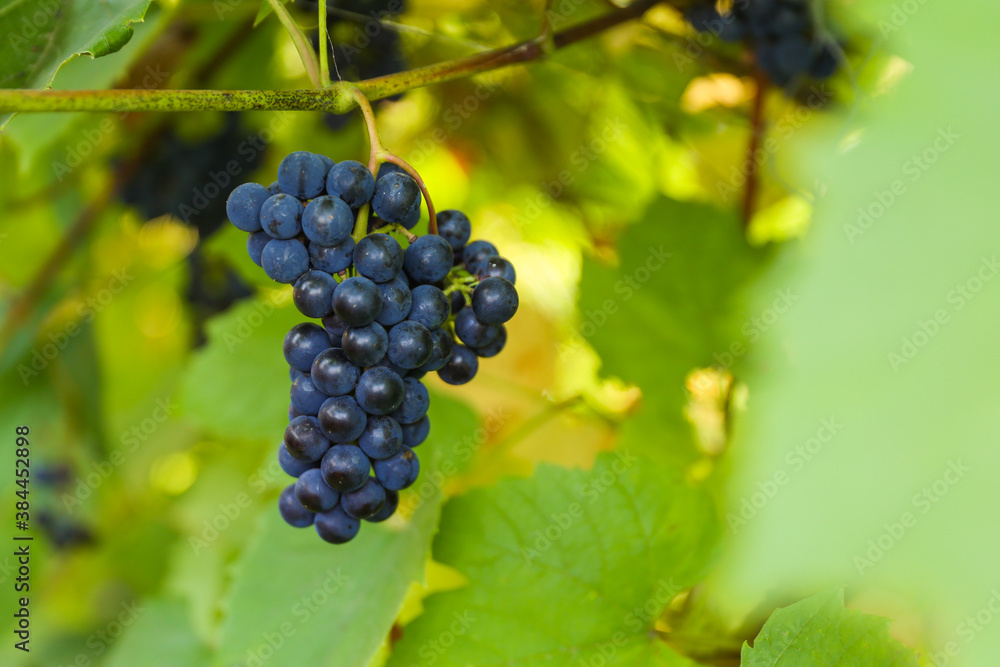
pixel 159 634
pixel 572 563
pixel 289 584
pixel 41 37
pixel 872 398
pixel 671 296
pixel 237 385
pixel 820 632
pixel 674 298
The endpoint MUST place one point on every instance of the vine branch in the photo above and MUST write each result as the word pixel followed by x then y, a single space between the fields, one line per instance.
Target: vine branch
pixel 336 98
pixel 752 166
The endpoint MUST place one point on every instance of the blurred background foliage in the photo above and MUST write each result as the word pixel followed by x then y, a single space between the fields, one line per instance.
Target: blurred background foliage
pixel 146 358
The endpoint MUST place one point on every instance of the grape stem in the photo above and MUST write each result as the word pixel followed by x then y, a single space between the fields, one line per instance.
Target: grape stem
pixel 338 97
pixel 301 42
pixel 378 155
pixel 324 56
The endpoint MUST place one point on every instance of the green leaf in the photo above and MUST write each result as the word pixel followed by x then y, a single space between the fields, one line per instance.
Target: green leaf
pixel 334 605
pixel 572 564
pixel 868 442
pixel 160 634
pixel 41 36
pixel 237 385
pixel 819 631
pixel 671 298
pixel 675 297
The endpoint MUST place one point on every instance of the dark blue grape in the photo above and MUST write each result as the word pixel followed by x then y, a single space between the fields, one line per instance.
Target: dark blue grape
pixel 367 345
pixel 337 526
pixel 366 501
pixel 284 260
pixel 292 412
pixel 498 267
pixel 342 419
pixel 416 400
pixel 414 434
pixel 461 367
pixel 304 439
pixel 411 220
pixel 399 471
pixel 386 363
pixel 476 254
pixel 255 245
pixel 281 216
pixel 826 57
pixel 303 343
pixel 352 182
pixel 429 306
pixel 793 54
pixel 313 293
pixel 291 509
pixel 291 465
pixel 333 373
pixel 345 468
pixel 382 438
pixel 787 20
pixel 332 258
pixel 396 301
pixel 327 162
pixel 473 332
pixel 494 301
pixel 733 28
pixel 703 18
pixel 396 196
pixel 457 302
pixel 243 206
pixel 440 352
pixel 428 259
pixel 335 327
pixel 306 398
pixel 389 168
pixel 327 221
pixel 302 174
pixel 388 509
pixel 379 391
pixel 357 301
pixel 454 226
pixel 764 56
pixel 378 257
pixel 410 344
pixel 494 347
pixel 274 188
pixel 313 493
pixel 757 12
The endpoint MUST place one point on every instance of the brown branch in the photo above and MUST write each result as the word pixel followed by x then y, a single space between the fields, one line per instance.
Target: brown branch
pixel 752 167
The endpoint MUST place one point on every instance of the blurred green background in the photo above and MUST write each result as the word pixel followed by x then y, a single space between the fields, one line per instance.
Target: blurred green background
pixel 742 417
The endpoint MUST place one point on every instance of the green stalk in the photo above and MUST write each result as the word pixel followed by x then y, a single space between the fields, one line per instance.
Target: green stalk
pixel 324 57
pixel 300 41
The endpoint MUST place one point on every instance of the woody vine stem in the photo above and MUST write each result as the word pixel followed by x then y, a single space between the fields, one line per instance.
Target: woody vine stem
pixel 337 97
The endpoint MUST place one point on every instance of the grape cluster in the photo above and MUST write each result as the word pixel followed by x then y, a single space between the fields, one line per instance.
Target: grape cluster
pixel 786 42
pixel 388 315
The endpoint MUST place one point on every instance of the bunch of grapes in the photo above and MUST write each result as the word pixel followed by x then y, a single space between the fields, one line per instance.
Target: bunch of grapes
pixel 388 316
pixel 786 42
